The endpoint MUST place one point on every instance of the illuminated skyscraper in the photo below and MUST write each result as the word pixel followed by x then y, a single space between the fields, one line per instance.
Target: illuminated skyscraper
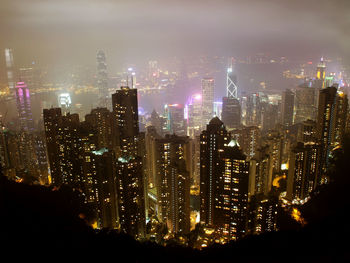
pixel 102 79
pixel 207 100
pixel 24 107
pixel 64 102
pixel 325 125
pixel 287 107
pixel 231 82
pixel 212 143
pixel 320 75
pixel 125 110
pixel 130 194
pixel 173 165
pixel 10 68
pixel 305 103
pixel 175 119
pixel 231 112
pixel 194 116
pixel 303 170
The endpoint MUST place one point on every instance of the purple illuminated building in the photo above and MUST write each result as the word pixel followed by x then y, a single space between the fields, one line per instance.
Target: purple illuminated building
pixel 24 107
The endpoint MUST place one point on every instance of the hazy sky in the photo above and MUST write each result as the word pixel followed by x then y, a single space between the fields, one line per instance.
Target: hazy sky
pixel 71 31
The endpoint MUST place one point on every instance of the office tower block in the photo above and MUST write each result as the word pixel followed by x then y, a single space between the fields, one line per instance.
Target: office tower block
pixel 231 112
pixel 157 122
pixel 207 100
pixel 64 102
pixel 130 195
pixel 303 170
pixel 320 75
pixel 231 81
pixel 195 116
pixel 341 115
pixel 231 193
pixel 103 169
pixel 249 140
pixel 24 107
pixel 325 125
pixel 287 107
pixel 305 103
pixel 10 69
pixel 41 156
pixel 175 119
pixel 101 119
pixel 261 170
pixel 51 121
pixel 125 110
pixel 269 117
pixel 173 165
pixel 212 142
pixel 102 79
pixel 255 108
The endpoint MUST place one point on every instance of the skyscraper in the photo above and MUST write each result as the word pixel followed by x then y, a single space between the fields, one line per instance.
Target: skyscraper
pixel 231 82
pixel 11 78
pixel 303 170
pixel 231 112
pixel 24 107
pixel 173 165
pixel 287 107
pixel 325 125
pixel 102 79
pixel 125 110
pixel 130 194
pixel 305 103
pixel 207 100
pixel 212 143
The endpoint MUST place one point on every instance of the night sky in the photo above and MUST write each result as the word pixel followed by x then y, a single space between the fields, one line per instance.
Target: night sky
pixel 55 32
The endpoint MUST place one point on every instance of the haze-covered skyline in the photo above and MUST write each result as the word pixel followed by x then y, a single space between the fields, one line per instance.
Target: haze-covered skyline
pixel 64 32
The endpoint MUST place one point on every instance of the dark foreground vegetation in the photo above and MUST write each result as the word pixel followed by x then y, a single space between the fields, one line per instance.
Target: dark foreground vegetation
pixel 38 221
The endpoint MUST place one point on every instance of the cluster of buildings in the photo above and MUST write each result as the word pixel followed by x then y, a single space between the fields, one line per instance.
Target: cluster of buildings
pixel 234 163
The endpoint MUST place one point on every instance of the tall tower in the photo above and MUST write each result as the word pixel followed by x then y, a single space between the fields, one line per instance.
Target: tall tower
pixel 287 107
pixel 231 81
pixel 207 100
pixel 231 112
pixel 24 107
pixel 125 110
pixel 321 74
pixel 10 68
pixel 212 143
pixel 325 123
pixel 102 79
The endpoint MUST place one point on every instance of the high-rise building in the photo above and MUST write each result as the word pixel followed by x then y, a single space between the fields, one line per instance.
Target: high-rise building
pixel 175 119
pixel 101 119
pixel 325 125
pixel 212 143
pixel 194 116
pixel 24 107
pixel 207 100
pixel 130 194
pixel 320 75
pixel 341 114
pixel 305 103
pixel 287 107
pixel 173 166
pixel 231 112
pixel 303 170
pixel 51 121
pixel 125 110
pixel 248 139
pixel 102 79
pixel 231 81
pixel 102 171
pixel 231 198
pixel 11 74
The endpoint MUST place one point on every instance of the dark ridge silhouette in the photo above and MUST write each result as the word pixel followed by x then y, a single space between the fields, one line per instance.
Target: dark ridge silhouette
pixel 38 221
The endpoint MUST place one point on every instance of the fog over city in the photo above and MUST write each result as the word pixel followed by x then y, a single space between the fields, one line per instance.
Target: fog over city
pixel 64 32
